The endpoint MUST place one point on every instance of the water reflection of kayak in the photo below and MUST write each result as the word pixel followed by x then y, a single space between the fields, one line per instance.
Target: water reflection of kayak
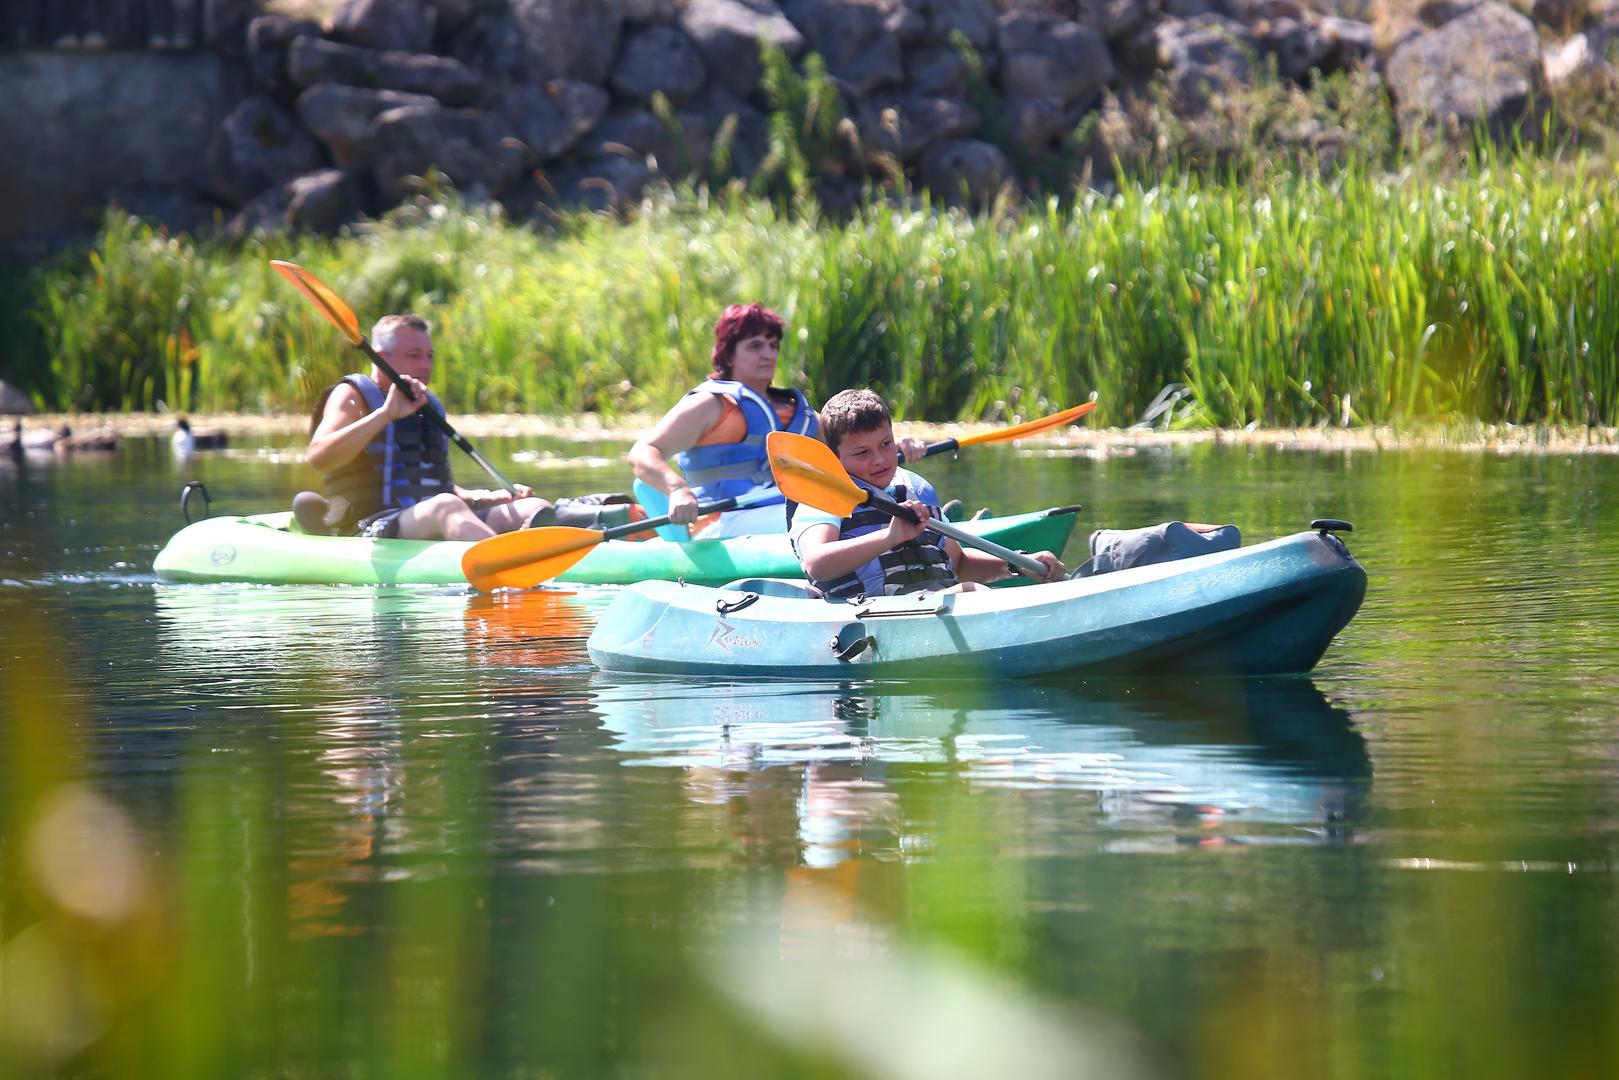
pixel 1271 750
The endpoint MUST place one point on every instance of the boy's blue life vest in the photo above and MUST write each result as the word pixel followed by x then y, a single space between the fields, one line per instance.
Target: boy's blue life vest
pixel 407 463
pixel 914 566
pixel 728 470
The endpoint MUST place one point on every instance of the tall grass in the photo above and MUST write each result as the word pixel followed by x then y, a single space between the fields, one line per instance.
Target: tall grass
pixel 1289 299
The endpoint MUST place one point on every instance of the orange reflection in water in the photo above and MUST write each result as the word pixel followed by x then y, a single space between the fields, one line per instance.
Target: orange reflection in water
pixel 527 628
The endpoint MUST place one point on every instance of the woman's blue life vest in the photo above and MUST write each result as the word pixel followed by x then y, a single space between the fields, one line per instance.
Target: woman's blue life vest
pixel 728 470
pixel 915 566
pixel 407 463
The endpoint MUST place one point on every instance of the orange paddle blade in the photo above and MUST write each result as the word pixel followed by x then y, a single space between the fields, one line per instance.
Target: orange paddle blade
pixel 325 300
pixel 808 472
pixel 1029 427
pixel 525 558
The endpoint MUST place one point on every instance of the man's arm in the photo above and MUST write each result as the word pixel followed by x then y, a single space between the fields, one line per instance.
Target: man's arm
pixel 347 427
pixel 824 556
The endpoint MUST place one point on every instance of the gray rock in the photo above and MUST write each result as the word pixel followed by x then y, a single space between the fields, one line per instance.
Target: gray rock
pixel 975 19
pixel 267 39
pixel 569 39
pixel 749 137
pixel 908 25
pixel 905 126
pixel 1483 68
pixel 1562 17
pixel 642 134
pixel 658 59
pixel 853 38
pixel 1035 121
pixel 225 23
pixel 1352 41
pixel 492 44
pixel 311 61
pixel 1436 13
pixel 938 70
pixel 611 183
pixel 649 11
pixel 1298 46
pixel 319 202
pixel 257 146
pixel 388 25
pixel 1204 56
pixel 1573 59
pixel 728 34
pixel 966 172
pixel 454 14
pixel 173 206
pixel 1192 9
pixel 1049 57
pixel 14 402
pixel 340 117
pixel 550 118
pixel 462 144
pixel 1115 20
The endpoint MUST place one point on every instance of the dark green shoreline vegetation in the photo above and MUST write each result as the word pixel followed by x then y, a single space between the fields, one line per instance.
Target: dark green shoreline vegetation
pixel 1284 262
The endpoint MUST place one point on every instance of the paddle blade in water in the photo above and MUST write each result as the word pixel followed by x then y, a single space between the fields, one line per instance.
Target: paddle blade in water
pixel 808 472
pixel 325 300
pixel 527 557
pixel 1029 427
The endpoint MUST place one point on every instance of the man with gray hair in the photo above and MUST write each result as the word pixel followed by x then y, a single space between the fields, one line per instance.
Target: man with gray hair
pixel 386 467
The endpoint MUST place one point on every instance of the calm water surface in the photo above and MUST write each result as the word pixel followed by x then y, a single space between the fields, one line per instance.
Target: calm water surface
pixel 412 831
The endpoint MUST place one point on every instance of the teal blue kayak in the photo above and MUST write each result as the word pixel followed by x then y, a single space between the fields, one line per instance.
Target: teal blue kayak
pixel 1270 608
pixel 267 550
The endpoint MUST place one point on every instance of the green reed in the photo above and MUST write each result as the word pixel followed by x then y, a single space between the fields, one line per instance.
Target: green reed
pixel 1291 299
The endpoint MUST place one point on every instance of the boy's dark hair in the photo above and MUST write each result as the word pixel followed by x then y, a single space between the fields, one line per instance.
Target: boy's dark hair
pixel 850 412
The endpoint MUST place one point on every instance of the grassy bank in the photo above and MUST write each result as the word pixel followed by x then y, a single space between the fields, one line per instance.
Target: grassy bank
pixel 1285 300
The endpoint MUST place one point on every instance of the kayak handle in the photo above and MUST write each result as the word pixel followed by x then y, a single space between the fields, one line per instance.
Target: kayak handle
pixel 196 487
pixel 725 607
pixel 848 652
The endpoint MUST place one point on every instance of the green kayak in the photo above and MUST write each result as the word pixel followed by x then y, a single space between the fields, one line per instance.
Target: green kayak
pixel 265 549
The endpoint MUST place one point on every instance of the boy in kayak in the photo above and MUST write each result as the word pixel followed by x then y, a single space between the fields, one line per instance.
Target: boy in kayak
pixel 386 468
pixel 870 553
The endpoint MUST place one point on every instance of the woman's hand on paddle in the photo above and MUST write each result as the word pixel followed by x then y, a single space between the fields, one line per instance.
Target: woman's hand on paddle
pixel 1055 570
pixel 398 405
pixel 900 531
pixel 682 506
pixel 913 449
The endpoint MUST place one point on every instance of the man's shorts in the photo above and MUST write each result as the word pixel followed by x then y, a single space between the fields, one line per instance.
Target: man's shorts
pixel 385 525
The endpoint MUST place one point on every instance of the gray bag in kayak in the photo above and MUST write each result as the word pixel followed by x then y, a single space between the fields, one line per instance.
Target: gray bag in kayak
pixel 1120 549
pixel 600 511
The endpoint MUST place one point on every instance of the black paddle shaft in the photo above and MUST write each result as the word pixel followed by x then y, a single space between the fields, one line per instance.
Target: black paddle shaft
pixel 630 528
pixel 942 447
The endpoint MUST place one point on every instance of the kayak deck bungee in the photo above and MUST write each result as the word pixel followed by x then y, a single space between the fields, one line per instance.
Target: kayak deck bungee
pixel 264 549
pixel 1266 609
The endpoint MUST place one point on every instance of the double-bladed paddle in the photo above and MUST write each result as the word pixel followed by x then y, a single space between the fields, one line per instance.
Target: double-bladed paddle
pixel 808 471
pixel 1016 431
pixel 525 558
pixel 340 315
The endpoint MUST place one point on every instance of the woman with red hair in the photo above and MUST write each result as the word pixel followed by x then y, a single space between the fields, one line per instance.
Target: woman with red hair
pixel 716 433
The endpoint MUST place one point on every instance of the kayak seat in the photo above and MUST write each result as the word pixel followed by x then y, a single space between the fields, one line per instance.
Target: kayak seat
pixel 767 586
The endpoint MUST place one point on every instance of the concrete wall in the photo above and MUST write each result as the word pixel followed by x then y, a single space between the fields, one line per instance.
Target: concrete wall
pixel 74 125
